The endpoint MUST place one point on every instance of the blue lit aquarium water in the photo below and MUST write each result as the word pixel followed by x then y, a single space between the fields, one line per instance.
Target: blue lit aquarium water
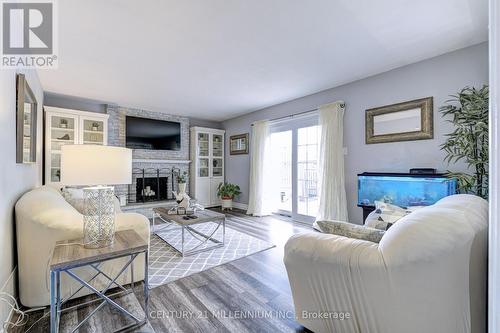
pixel 403 191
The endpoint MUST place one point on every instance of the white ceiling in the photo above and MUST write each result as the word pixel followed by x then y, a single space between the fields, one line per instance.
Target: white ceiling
pixel 218 59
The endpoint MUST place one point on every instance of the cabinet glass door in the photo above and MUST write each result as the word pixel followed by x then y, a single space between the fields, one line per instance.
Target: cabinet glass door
pixel 203 142
pixel 203 167
pixel 62 132
pixel 93 132
pixel 217 167
pixel 217 145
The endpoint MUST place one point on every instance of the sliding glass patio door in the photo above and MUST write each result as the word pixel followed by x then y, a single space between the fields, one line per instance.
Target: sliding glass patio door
pixel 307 173
pixel 294 146
pixel 281 145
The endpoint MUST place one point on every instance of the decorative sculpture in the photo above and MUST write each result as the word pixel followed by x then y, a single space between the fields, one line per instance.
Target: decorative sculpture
pixel 182 199
pixel 185 205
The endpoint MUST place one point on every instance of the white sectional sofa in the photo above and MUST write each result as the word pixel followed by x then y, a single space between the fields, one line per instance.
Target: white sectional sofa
pixel 43 217
pixel 427 274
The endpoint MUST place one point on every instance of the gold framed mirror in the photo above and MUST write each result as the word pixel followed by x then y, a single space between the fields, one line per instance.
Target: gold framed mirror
pixel 26 106
pixel 407 121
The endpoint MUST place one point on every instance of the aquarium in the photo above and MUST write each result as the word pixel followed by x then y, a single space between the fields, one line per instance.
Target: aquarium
pixel 404 190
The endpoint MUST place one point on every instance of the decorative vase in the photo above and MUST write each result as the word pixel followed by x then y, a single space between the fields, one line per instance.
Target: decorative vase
pixel 182 187
pixel 227 203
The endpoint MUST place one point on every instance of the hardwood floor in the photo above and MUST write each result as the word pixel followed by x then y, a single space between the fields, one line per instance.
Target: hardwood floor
pixel 251 294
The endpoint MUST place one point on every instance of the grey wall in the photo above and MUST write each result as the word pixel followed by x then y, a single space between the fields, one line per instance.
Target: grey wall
pixel 438 77
pixel 75 103
pixel 205 123
pixel 15 179
pixel 83 104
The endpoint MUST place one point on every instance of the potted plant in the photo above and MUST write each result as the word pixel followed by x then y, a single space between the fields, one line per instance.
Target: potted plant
pixel 181 181
pixel 227 192
pixel 469 140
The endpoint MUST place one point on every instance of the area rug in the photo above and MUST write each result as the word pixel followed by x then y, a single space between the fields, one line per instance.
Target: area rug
pixel 167 265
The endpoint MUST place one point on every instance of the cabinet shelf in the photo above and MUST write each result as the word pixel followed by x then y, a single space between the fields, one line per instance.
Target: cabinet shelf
pixel 62 129
pixel 62 140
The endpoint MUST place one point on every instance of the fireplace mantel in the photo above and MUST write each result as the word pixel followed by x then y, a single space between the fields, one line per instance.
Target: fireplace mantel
pixel 147 160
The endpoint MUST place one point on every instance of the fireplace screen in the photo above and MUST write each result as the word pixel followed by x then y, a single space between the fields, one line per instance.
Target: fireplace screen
pixel 153 184
pixel 151 188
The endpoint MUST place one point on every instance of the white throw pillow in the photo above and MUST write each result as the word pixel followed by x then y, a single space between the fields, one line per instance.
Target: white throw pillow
pixel 74 196
pixel 385 215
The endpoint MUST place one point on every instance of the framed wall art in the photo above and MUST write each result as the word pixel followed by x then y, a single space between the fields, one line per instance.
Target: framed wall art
pixel 238 144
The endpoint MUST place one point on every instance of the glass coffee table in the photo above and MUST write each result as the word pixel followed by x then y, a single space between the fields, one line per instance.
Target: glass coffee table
pixel 201 239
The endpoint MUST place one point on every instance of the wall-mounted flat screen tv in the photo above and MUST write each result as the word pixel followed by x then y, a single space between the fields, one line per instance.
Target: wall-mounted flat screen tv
pixel 142 133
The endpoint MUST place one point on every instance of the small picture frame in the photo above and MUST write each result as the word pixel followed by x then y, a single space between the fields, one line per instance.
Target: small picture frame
pixel 238 144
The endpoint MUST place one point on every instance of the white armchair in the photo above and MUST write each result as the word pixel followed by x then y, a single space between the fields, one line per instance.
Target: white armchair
pixel 427 274
pixel 43 217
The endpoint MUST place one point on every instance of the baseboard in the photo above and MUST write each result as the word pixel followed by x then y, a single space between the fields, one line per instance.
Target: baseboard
pixel 240 205
pixel 8 287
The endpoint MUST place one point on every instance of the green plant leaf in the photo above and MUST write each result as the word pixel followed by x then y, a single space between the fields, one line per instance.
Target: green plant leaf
pixel 228 190
pixel 468 142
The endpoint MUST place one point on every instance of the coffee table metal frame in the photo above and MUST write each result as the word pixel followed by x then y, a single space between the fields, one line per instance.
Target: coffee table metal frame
pixel 220 221
pixel 56 301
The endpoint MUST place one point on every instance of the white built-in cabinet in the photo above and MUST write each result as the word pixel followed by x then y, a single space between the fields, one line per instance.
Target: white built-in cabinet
pixel 66 126
pixel 207 164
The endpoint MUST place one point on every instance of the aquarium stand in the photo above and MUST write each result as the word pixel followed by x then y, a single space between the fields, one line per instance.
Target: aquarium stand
pixel 366 211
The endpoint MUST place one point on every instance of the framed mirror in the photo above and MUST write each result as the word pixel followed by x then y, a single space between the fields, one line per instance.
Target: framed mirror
pixel 405 121
pixel 238 144
pixel 26 106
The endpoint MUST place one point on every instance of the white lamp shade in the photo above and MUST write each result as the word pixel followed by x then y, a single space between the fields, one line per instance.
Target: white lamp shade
pixel 83 165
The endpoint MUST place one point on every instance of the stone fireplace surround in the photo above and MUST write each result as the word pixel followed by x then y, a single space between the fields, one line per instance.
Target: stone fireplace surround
pixel 147 159
pixel 152 166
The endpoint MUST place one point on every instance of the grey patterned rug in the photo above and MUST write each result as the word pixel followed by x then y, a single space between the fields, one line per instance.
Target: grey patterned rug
pixel 166 264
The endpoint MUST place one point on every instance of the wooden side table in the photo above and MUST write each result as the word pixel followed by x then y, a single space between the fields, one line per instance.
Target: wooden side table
pixel 69 255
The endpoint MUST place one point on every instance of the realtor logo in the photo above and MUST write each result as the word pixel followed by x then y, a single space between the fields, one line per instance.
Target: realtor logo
pixel 28 34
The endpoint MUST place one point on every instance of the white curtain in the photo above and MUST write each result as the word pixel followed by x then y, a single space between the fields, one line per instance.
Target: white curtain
pixel 332 198
pixel 259 202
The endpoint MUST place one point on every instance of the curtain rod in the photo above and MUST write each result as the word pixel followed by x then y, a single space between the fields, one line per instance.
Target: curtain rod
pixel 292 115
pixel 342 105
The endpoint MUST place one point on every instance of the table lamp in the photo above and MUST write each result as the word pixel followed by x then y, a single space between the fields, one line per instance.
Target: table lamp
pixel 96 167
